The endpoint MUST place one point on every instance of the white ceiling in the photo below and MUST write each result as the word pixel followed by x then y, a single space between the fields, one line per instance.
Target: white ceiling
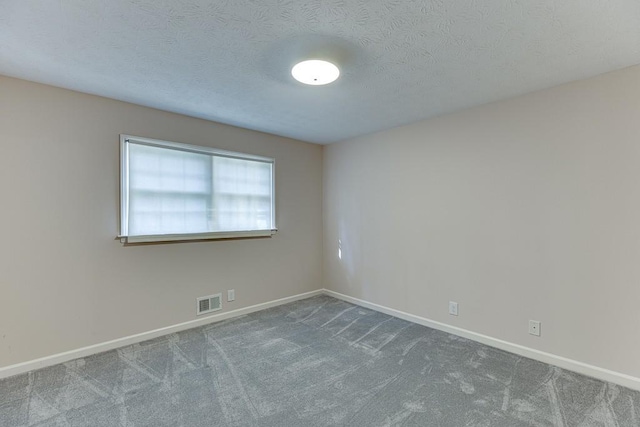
pixel 230 60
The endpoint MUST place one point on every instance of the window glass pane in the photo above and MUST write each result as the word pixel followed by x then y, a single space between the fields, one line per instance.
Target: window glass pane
pixel 242 195
pixel 169 191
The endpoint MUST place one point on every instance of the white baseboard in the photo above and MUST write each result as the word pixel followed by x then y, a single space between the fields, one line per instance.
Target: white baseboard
pixel 551 359
pixel 43 362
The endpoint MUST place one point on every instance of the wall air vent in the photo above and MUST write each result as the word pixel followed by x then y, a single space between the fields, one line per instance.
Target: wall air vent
pixel 209 304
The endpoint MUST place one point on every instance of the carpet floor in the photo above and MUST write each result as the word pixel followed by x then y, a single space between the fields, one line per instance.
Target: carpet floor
pixel 315 362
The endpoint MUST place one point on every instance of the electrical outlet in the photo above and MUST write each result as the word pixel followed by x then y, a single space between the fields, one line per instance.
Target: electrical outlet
pixel 534 328
pixel 231 295
pixel 453 308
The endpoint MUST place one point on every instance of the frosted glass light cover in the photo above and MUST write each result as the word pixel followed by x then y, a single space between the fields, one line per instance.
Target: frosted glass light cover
pixel 315 72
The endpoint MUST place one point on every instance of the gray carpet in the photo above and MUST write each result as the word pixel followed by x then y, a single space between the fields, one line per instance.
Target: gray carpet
pixel 316 362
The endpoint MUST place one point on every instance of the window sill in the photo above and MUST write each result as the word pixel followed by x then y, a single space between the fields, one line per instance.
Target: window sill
pixel 167 238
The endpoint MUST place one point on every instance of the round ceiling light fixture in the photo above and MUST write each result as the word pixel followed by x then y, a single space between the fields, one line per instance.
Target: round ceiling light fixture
pixel 315 72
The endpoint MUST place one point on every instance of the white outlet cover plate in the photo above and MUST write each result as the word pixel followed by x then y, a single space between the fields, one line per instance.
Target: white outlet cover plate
pixel 453 308
pixel 534 327
pixel 231 295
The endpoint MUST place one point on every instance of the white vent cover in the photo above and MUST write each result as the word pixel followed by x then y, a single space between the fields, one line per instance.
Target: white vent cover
pixel 209 304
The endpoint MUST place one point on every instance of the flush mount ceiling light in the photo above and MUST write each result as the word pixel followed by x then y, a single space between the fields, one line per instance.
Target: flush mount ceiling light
pixel 315 72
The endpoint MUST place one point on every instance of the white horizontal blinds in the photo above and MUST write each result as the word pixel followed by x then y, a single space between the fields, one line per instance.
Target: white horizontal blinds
pixel 242 194
pixel 169 191
pixel 180 190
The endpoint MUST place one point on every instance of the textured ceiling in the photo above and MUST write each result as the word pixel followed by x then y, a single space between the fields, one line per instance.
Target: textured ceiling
pixel 230 60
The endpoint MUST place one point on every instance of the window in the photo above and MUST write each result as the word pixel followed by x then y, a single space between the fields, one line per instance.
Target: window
pixel 171 191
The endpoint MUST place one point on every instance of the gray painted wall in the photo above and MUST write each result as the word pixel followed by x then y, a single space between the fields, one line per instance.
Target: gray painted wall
pixel 522 209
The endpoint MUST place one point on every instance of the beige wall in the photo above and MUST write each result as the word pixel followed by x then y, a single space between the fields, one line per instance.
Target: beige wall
pixel 66 283
pixel 522 209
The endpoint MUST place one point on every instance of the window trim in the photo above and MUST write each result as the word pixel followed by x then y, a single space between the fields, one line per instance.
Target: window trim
pixel 157 238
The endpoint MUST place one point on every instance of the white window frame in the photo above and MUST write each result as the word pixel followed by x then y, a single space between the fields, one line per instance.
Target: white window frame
pixel 124 193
